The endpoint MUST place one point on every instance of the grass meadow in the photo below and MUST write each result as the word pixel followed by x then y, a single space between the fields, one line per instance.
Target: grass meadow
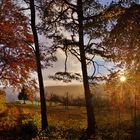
pixel 22 121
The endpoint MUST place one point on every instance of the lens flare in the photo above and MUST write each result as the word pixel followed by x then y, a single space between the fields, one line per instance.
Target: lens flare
pixel 122 78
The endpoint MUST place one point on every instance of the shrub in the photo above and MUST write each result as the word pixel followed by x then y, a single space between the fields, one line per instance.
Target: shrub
pixel 29 128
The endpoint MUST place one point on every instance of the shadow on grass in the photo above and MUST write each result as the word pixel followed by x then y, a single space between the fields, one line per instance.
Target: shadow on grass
pixel 18 131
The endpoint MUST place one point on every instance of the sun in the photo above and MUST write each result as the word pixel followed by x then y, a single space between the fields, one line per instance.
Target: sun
pixel 122 78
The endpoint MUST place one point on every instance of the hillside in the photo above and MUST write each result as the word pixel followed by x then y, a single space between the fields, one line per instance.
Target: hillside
pixel 73 90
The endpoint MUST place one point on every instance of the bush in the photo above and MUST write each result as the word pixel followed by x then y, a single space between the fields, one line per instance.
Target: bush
pixel 29 128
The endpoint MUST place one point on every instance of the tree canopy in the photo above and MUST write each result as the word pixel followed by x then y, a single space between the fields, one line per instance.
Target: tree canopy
pixel 16 53
pixel 123 41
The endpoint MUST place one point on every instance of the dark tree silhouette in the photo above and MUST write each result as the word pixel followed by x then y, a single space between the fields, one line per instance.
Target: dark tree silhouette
pixel 54 98
pixel 80 19
pixel 38 58
pixel 23 95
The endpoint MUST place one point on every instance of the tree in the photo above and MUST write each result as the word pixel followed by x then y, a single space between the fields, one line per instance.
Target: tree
pixel 54 98
pixel 23 95
pixel 31 92
pixel 123 41
pixel 66 100
pixel 69 23
pixel 124 35
pixel 17 58
pixel 43 56
pixel 44 120
pixel 79 101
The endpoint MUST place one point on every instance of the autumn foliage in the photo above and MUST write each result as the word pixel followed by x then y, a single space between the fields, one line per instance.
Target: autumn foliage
pixel 16 52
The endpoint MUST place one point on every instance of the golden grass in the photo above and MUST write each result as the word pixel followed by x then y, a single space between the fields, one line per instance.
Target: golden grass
pixel 62 121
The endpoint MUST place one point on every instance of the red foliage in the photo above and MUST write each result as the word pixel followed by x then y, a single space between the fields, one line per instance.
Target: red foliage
pixel 17 58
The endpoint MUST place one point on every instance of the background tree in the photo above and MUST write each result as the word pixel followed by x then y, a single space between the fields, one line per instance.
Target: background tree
pixel 23 95
pixel 31 90
pixel 54 98
pixel 79 101
pixel 66 100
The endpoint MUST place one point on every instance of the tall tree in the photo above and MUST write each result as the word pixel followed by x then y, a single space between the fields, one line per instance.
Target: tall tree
pixel 17 58
pixel 40 78
pixel 90 111
pixel 123 40
pixel 70 23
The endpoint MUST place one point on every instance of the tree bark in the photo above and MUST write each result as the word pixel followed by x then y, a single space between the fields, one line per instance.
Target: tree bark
pixel 88 97
pixel 44 120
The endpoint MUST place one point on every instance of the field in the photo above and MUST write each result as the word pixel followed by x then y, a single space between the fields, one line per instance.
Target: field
pixel 21 121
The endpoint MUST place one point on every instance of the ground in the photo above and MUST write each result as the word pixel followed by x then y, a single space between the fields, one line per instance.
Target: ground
pixel 21 121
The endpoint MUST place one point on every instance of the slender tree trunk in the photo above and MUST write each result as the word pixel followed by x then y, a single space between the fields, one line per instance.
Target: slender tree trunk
pixel 40 78
pixel 89 104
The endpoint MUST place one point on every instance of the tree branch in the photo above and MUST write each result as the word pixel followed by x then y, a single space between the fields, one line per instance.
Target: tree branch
pixel 72 6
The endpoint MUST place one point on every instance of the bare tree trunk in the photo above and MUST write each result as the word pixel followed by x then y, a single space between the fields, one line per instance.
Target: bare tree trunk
pixel 89 104
pixel 40 78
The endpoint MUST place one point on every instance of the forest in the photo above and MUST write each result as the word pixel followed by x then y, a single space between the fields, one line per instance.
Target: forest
pixel 89 51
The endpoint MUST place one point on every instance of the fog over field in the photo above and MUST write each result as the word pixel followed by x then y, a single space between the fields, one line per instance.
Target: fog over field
pixel 72 90
pixel 61 90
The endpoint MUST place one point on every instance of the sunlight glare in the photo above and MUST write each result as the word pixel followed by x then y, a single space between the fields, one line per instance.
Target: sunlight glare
pixel 122 78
